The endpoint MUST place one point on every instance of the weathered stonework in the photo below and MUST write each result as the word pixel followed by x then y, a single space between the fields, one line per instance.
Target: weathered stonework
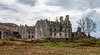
pixel 54 29
pixel 27 32
pixel 46 29
pixel 78 34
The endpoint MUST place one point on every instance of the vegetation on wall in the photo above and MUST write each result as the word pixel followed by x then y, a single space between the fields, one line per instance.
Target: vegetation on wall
pixel 61 27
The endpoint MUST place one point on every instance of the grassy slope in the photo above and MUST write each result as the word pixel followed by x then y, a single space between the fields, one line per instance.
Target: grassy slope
pixel 49 48
pixel 41 50
pixel 57 44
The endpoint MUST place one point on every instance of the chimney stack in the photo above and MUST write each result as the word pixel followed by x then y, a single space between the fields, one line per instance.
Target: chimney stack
pixel 61 19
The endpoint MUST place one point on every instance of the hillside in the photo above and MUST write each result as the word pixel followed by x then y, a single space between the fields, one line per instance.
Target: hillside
pixel 8 26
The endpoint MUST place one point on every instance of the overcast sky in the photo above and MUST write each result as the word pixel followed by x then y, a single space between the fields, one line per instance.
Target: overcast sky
pixel 29 11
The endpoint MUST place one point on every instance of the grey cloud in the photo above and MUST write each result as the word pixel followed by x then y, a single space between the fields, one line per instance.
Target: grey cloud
pixel 75 4
pixel 93 14
pixel 27 2
pixel 94 3
pixel 90 14
pixel 37 18
pixel 8 7
pixel 10 17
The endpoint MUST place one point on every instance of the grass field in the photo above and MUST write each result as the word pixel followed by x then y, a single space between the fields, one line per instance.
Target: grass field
pixel 58 44
pixel 49 48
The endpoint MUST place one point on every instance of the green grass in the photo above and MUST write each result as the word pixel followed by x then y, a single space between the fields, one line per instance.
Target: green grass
pixel 98 42
pixel 1 41
pixel 78 43
pixel 58 44
pixel 47 44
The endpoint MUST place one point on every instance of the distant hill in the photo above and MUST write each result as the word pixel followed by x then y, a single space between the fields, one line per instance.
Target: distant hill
pixel 8 26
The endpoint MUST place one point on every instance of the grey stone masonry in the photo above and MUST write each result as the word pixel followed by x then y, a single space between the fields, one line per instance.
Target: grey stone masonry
pixel 27 32
pixel 53 29
pixel 46 29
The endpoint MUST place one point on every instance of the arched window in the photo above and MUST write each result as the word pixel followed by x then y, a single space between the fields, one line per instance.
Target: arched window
pixel 50 29
pixel 29 32
pixel 69 30
pixel 32 36
pixel 65 34
pixel 29 36
pixel 50 34
pixel 65 29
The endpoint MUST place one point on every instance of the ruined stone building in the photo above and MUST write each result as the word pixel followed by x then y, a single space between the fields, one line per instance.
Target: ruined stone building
pixel 78 34
pixel 27 32
pixel 53 30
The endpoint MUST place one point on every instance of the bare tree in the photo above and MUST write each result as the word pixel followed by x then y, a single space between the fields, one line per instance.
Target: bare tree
pixel 81 23
pixel 87 25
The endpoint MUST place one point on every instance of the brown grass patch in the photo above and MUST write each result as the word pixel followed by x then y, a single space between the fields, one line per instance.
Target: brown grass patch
pixel 30 49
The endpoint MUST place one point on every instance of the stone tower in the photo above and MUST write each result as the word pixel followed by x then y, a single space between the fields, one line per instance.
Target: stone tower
pixel 61 19
pixel 68 26
pixel 41 29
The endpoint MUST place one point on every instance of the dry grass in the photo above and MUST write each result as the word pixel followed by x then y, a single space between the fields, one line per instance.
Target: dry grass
pixel 30 49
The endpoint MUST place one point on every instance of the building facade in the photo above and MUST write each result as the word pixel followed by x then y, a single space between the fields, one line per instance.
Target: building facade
pixel 27 32
pixel 52 30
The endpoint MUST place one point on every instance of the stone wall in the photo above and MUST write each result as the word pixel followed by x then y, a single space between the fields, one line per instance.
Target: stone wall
pixel 53 29
pixel 27 32
pixel 78 34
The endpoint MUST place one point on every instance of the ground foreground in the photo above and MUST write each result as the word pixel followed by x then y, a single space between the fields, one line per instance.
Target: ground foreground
pixel 41 50
pixel 21 48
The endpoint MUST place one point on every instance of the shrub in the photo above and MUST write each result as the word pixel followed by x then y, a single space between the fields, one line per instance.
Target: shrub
pixel 84 44
pixel 11 39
